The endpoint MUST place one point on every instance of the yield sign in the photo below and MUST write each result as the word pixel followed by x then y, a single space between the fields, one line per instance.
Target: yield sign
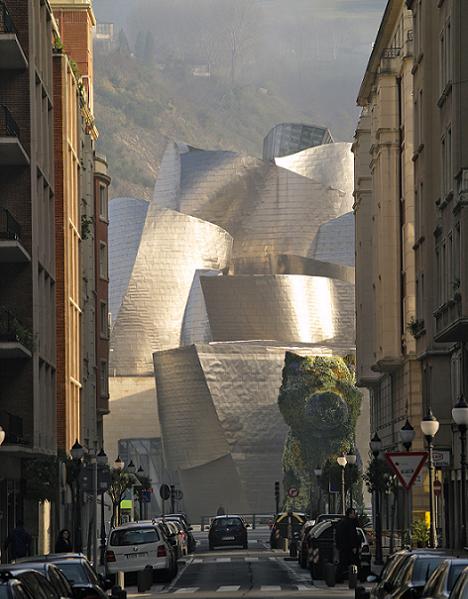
pixel 406 464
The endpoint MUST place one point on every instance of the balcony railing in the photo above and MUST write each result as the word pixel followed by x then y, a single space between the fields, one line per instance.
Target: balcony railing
pixel 6 22
pixel 13 427
pixel 9 227
pixel 8 125
pixel 13 331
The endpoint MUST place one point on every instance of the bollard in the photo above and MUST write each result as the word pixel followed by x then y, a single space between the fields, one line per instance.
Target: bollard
pixel 330 574
pixel 145 579
pixel 253 522
pixel 202 525
pixel 352 576
pixel 286 545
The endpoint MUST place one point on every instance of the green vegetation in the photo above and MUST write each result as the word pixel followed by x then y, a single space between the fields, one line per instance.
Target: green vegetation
pixel 320 403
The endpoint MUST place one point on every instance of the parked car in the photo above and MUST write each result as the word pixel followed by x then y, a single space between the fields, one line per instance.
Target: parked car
pixel 178 518
pixel 78 571
pixel 444 577
pixel 36 583
pixel 279 530
pixel 180 537
pixel 460 589
pixel 12 588
pixel 386 581
pixel 323 517
pixel 227 531
pixel 53 574
pixel 133 546
pixel 321 549
pixel 303 548
pixel 413 575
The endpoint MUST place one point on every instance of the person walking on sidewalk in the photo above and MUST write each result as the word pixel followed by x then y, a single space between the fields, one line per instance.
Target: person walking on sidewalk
pixel 348 543
pixel 18 542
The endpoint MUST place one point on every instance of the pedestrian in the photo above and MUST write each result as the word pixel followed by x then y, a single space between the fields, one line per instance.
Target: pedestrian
pixel 18 542
pixel 348 543
pixel 63 542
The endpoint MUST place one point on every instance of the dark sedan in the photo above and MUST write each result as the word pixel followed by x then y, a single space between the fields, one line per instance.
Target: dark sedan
pixel 414 574
pixel 12 588
pixel 227 531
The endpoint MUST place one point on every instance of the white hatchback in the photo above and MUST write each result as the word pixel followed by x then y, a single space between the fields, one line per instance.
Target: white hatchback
pixel 133 546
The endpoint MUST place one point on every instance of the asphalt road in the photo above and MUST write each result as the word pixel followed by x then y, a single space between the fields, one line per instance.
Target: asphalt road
pixel 235 573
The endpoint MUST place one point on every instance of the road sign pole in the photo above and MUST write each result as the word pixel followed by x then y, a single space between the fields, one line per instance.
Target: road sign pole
pixel 430 467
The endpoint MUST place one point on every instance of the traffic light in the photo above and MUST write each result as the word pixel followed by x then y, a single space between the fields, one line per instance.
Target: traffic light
pixel 277 491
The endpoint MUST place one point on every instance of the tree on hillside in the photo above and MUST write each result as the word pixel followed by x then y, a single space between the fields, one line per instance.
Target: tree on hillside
pixel 148 53
pixel 140 46
pixel 122 43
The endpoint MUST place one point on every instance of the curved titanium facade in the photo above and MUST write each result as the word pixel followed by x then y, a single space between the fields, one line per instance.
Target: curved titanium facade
pixel 235 265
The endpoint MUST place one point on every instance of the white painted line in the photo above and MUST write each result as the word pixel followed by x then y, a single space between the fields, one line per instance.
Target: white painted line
pixel 273 559
pixel 228 589
pixel 303 587
pixel 187 590
pixel 223 560
pixel 251 559
pixel 270 588
pixel 197 561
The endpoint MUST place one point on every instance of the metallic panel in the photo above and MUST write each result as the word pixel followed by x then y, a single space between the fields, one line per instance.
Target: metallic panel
pixel 335 241
pixel 287 308
pixel 173 247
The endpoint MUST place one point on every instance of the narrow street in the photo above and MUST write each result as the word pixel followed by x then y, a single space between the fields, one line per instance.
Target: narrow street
pixel 257 572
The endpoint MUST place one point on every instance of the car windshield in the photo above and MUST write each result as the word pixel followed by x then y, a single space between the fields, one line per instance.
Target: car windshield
pixel 454 573
pixel 134 536
pixel 74 572
pixel 223 522
pixel 423 568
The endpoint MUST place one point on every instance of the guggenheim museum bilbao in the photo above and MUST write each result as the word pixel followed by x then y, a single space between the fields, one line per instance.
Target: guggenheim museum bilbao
pixel 234 261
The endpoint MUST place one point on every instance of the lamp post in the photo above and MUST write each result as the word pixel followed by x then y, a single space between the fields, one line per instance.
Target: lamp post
pixel 460 416
pixel 351 458
pixel 140 474
pixel 376 446
pixel 407 434
pixel 77 453
pixel 102 463
pixel 318 476
pixel 2 435
pixel 118 467
pixel 429 427
pixel 342 461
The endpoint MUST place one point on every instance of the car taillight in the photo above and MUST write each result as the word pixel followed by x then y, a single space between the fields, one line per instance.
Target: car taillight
pixel 161 551
pixel 110 556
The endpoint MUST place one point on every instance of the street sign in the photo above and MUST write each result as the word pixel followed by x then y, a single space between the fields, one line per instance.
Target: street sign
pixel 293 492
pixel 165 492
pixel 437 487
pixel 145 496
pixel 406 465
pixel 442 458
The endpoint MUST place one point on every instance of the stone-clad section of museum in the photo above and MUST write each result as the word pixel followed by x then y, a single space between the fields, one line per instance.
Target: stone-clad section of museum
pixel 234 261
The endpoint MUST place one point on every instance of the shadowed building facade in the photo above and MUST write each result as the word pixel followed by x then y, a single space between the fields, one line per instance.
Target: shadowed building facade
pixel 231 268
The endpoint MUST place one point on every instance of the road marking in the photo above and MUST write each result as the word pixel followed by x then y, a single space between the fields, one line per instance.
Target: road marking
pixel 303 587
pixel 251 559
pixel 270 588
pixel 187 590
pixel 197 561
pixel 273 559
pixel 228 589
pixel 223 560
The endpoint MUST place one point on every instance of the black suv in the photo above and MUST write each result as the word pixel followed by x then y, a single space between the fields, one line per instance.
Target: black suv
pixel 227 531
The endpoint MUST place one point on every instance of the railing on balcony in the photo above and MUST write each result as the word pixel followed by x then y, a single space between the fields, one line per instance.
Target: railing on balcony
pixel 6 22
pixel 8 125
pixel 13 427
pixel 13 331
pixel 9 227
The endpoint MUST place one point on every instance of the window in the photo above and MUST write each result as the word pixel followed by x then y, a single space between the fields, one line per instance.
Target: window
pixel 103 260
pixel 134 536
pixel 103 316
pixel 104 376
pixel 445 56
pixel 446 158
pixel 103 212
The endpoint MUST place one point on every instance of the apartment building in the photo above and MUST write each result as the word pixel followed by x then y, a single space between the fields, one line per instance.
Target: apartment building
pixel 441 187
pixel 27 256
pixel 384 208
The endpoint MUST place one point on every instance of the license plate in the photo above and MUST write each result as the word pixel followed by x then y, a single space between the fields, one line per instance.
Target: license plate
pixel 228 538
pixel 136 555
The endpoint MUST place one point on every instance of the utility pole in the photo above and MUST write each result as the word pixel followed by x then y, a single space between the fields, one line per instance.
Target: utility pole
pixel 277 496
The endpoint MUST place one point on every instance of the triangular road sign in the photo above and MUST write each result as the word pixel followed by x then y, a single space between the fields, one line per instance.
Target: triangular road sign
pixel 406 464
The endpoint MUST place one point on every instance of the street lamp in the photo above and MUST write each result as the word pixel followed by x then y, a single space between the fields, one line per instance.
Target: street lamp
pixel 118 464
pixel 2 435
pixel 460 416
pixel 131 468
pixel 342 461
pixel 351 458
pixel 101 460
pixel 407 434
pixel 376 447
pixel 77 453
pixel 429 427
pixel 318 476
pixel 140 474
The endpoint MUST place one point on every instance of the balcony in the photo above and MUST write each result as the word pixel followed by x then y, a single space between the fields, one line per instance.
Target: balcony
pixel 14 430
pixel 16 341
pixel 12 152
pixel 11 53
pixel 11 248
